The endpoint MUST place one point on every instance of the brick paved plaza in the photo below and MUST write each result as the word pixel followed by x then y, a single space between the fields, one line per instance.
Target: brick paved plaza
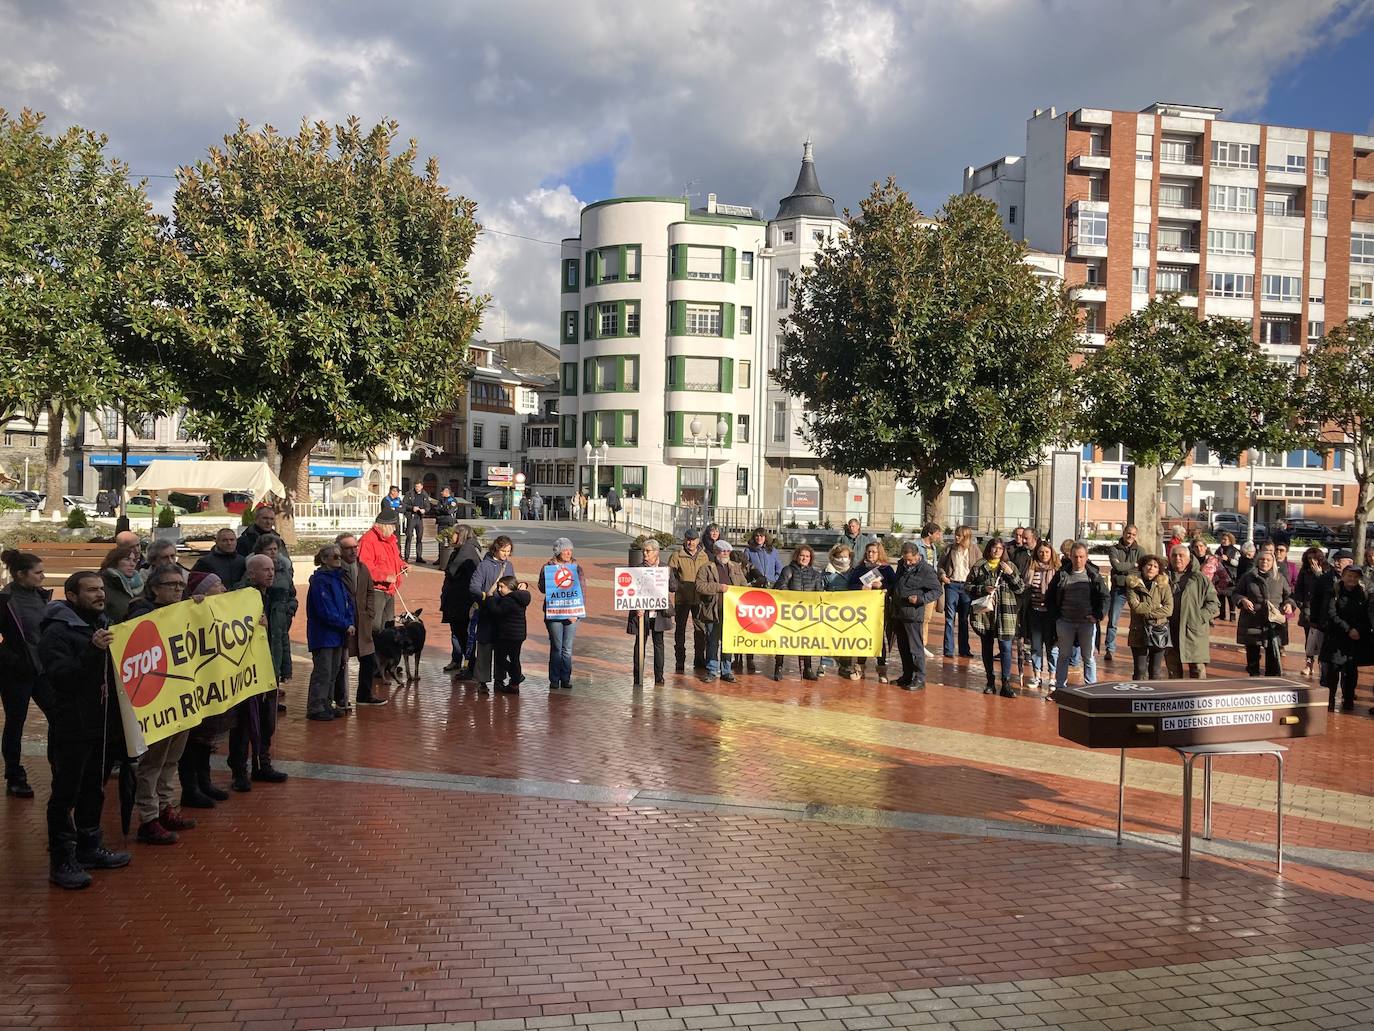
pixel 791 855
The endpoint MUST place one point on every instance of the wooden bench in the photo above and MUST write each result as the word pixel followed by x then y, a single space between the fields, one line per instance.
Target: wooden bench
pixel 61 559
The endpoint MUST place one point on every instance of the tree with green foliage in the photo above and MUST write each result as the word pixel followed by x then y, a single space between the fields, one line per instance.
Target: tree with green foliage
pixel 322 293
pixel 1168 381
pixel 81 261
pixel 1338 393
pixel 927 347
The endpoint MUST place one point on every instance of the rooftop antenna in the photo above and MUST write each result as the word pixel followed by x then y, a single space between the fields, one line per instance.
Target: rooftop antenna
pixel 687 192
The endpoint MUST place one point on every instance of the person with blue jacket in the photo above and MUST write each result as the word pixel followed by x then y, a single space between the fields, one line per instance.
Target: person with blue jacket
pixel 764 556
pixel 330 621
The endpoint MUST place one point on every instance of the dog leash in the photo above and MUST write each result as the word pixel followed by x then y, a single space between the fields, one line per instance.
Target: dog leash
pixel 402 600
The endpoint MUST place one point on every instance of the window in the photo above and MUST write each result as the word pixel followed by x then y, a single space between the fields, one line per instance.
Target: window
pixel 1230 284
pixel 1097 188
pixel 1177 238
pixel 477 471
pixel 697 374
pixel 1144 147
pixel 1278 332
pixel 1321 163
pixel 1116 454
pixel 478 430
pixel 1362 291
pixel 1362 248
pixel 1231 241
pixel 742 429
pixel 632 263
pixel 1176 195
pixel 1140 237
pixel 1093 274
pixel 1316 291
pixel 1319 207
pixel 788 236
pixel 632 320
pixel 742 479
pixel 569 275
pixel 182 433
pixel 147 428
pixel 1281 288
pixel 1338 496
pixel 1086 490
pixel 1281 203
pixel 1282 242
pixel 1097 143
pixel 705 263
pixel 818 235
pixel 1232 198
pixel 744 374
pixel 1172 279
pixel 784 285
pixel 629 429
pixel 1315 330
pixel 570 327
pixel 109 423
pixel 1088 452
pixel 1177 152
pixel 1114 490
pixel 1011 215
pixel 1286 157
pixel 608 320
pixel 1302 460
pixel 1235 155
pixel 703 320
pixel 503 436
pixel 607 267
pixel 569 372
pixel 746 319
pixel 1140 280
pixel 568 430
pixel 1091 229
pixel 779 422
pixel 746 265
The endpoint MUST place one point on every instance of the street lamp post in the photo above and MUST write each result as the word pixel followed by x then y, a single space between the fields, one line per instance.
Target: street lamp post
pixel 698 437
pixel 594 458
pixel 1250 456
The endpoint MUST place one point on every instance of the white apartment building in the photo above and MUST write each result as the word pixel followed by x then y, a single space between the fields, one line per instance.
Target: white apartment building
pixel 1268 224
pixel 660 339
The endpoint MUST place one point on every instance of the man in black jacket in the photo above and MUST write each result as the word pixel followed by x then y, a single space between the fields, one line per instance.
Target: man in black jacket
pixel 84 729
pixel 1124 557
pixel 455 597
pixel 416 506
pixel 915 587
pixel 223 560
pixel 264 521
pixel 1077 602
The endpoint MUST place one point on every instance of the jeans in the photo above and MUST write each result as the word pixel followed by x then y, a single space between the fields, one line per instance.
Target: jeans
pixel 1071 636
pixel 561 634
pixel 322 677
pixel 1147 663
pixel 153 791
pixel 1115 604
pixel 458 647
pixel 1044 646
pixel 957 602
pixel 15 694
pixel 1003 651
pixel 716 661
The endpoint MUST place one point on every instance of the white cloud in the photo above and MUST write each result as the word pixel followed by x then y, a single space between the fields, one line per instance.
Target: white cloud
pixel 510 95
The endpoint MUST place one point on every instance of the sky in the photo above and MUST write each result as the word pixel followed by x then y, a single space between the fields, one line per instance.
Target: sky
pixel 534 109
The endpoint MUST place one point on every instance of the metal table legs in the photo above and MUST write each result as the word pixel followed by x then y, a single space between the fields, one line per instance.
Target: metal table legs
pixel 1188 759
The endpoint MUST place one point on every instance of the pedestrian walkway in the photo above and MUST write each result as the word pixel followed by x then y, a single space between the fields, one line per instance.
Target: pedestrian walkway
pixel 795 855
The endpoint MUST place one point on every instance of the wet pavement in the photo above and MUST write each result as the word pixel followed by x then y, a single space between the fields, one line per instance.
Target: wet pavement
pixel 776 854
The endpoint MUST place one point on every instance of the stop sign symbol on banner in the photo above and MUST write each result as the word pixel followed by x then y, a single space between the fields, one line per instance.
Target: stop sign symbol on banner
pixel 623 580
pixel 563 578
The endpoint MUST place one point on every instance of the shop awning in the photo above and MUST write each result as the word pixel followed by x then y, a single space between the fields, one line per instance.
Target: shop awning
pixel 201 477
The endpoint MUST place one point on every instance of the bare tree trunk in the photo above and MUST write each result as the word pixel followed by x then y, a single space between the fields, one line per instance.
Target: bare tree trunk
pixel 52 457
pixel 1143 508
pixel 295 477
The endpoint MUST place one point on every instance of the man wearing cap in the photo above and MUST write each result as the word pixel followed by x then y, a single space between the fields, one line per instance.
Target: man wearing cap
pixel 682 583
pixel 715 575
pixel 378 552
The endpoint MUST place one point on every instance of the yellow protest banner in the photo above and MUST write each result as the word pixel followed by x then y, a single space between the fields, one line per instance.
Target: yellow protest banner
pixel 184 662
pixel 765 622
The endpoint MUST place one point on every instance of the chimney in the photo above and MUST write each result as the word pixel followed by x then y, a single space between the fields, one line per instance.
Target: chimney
pixel 710 203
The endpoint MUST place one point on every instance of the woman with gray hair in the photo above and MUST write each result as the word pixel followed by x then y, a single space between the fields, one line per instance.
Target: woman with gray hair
pixel 561 626
pixel 330 620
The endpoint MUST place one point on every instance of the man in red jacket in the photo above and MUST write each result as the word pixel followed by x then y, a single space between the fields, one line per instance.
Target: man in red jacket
pixel 378 552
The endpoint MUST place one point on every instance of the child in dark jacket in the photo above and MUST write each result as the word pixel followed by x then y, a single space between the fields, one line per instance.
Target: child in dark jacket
pixel 503 616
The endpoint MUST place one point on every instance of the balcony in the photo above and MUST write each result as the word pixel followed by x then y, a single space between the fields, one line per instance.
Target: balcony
pixel 1362 187
pixel 1184 213
pixel 1180 253
pixel 1089 293
pixel 1187 165
pixel 1092 116
pixel 1099 161
pixel 1091 341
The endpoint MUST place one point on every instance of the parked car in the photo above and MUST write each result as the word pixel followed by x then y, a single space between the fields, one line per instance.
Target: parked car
pixel 141 504
pixel 23 498
pixel 71 501
pixel 1308 530
pixel 237 502
pixel 190 502
pixel 1346 531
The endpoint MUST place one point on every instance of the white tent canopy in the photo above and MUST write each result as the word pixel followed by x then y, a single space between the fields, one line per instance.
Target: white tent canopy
pixel 202 477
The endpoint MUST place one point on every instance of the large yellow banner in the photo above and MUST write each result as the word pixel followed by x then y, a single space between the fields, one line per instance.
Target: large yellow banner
pixel 765 622
pixel 187 661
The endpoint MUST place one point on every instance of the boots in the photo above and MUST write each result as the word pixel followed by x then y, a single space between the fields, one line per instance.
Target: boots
pixel 17 784
pixel 151 832
pixel 63 869
pixel 1007 690
pixel 265 771
pixel 777 668
pixel 91 855
pixel 991 687
pixel 192 797
pixel 203 775
pixel 807 672
pixel 174 821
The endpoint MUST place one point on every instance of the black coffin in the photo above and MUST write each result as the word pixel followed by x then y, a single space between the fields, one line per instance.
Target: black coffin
pixel 1155 713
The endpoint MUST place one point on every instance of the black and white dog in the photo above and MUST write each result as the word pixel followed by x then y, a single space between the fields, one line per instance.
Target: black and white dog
pixel 401 641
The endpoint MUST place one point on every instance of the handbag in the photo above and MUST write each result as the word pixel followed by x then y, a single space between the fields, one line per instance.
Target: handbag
pixel 1276 615
pixel 1157 635
pixel 986 603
